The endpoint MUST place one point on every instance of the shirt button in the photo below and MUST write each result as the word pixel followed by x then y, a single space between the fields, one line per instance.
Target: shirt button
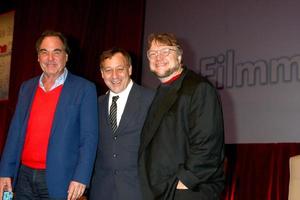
pixel 115 138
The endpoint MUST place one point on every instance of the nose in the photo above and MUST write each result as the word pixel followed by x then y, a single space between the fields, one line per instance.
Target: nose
pixel 114 73
pixel 50 56
pixel 158 56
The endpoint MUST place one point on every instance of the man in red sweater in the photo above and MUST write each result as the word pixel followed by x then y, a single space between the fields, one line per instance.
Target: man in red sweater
pixel 52 140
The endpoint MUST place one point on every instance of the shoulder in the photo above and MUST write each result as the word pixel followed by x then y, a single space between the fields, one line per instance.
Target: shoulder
pixel 192 82
pixel 102 98
pixel 79 80
pixel 191 78
pixel 29 85
pixel 79 83
pixel 143 91
pixel 31 81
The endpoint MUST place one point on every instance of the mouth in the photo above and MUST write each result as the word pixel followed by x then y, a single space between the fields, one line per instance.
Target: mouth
pixel 161 64
pixel 50 64
pixel 115 82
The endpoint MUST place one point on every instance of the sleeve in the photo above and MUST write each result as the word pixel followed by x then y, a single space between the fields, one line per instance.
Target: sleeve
pixel 206 139
pixel 88 135
pixel 11 150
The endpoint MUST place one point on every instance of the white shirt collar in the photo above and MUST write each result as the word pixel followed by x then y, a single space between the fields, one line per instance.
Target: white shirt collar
pixel 123 94
pixel 59 81
pixel 121 103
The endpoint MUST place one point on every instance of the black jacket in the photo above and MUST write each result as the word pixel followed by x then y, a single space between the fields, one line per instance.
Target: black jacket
pixel 182 139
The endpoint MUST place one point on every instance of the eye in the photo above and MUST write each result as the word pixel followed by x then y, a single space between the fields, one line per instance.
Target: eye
pixel 107 70
pixel 120 69
pixel 43 52
pixel 57 52
pixel 152 54
pixel 165 52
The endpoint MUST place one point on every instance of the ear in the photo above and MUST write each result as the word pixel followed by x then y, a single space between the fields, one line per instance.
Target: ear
pixel 67 57
pixel 179 58
pixel 101 73
pixel 130 70
pixel 179 53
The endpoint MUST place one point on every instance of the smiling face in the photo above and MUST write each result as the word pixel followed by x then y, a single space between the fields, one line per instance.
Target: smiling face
pixel 52 56
pixel 164 60
pixel 116 72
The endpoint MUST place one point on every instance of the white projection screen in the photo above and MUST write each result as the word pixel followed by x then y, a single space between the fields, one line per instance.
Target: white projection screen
pixel 250 50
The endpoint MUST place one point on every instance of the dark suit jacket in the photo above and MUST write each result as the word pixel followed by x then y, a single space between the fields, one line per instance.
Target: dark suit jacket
pixel 73 138
pixel 115 173
pixel 182 139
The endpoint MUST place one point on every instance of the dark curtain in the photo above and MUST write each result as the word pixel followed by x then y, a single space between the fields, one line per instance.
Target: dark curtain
pixel 258 171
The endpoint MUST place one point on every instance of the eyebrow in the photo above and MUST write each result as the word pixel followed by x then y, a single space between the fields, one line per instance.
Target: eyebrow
pixel 52 50
pixel 123 66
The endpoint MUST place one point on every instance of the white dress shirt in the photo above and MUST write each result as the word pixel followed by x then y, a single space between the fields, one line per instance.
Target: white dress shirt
pixel 121 102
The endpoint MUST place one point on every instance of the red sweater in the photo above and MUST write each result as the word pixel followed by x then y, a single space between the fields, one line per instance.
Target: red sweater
pixel 39 127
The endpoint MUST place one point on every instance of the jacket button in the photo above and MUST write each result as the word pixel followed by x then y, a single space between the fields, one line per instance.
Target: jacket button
pixel 115 155
pixel 115 138
pixel 116 172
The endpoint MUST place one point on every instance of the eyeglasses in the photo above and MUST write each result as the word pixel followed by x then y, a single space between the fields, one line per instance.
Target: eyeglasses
pixel 151 54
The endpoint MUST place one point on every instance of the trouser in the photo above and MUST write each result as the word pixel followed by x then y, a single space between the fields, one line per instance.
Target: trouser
pixel 190 195
pixel 31 185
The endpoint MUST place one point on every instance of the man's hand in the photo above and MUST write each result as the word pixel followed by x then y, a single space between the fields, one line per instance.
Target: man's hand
pixel 181 186
pixel 5 185
pixel 76 190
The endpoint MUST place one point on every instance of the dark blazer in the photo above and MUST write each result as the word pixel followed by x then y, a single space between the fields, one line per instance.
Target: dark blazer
pixel 115 173
pixel 182 139
pixel 73 138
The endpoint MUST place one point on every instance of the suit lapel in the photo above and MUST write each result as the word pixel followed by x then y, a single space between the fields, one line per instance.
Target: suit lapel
pixel 103 113
pixel 64 100
pixel 130 110
pixel 153 123
pixel 33 89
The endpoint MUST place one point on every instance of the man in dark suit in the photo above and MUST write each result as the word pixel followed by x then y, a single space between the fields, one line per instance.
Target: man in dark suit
pixel 115 173
pixel 52 140
pixel 182 147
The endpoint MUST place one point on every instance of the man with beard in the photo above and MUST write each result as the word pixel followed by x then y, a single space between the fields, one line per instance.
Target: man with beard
pixel 181 154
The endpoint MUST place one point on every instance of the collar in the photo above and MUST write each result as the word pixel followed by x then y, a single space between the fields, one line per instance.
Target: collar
pixel 174 78
pixel 124 93
pixel 59 81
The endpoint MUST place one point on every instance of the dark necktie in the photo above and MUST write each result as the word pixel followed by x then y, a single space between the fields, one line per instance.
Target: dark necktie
pixel 113 113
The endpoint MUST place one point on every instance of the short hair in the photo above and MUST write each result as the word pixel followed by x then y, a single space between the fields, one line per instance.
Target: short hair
pixel 111 52
pixel 164 38
pixel 50 33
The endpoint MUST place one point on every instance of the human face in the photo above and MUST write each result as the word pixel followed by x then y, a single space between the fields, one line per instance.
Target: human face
pixel 52 56
pixel 116 73
pixel 164 61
